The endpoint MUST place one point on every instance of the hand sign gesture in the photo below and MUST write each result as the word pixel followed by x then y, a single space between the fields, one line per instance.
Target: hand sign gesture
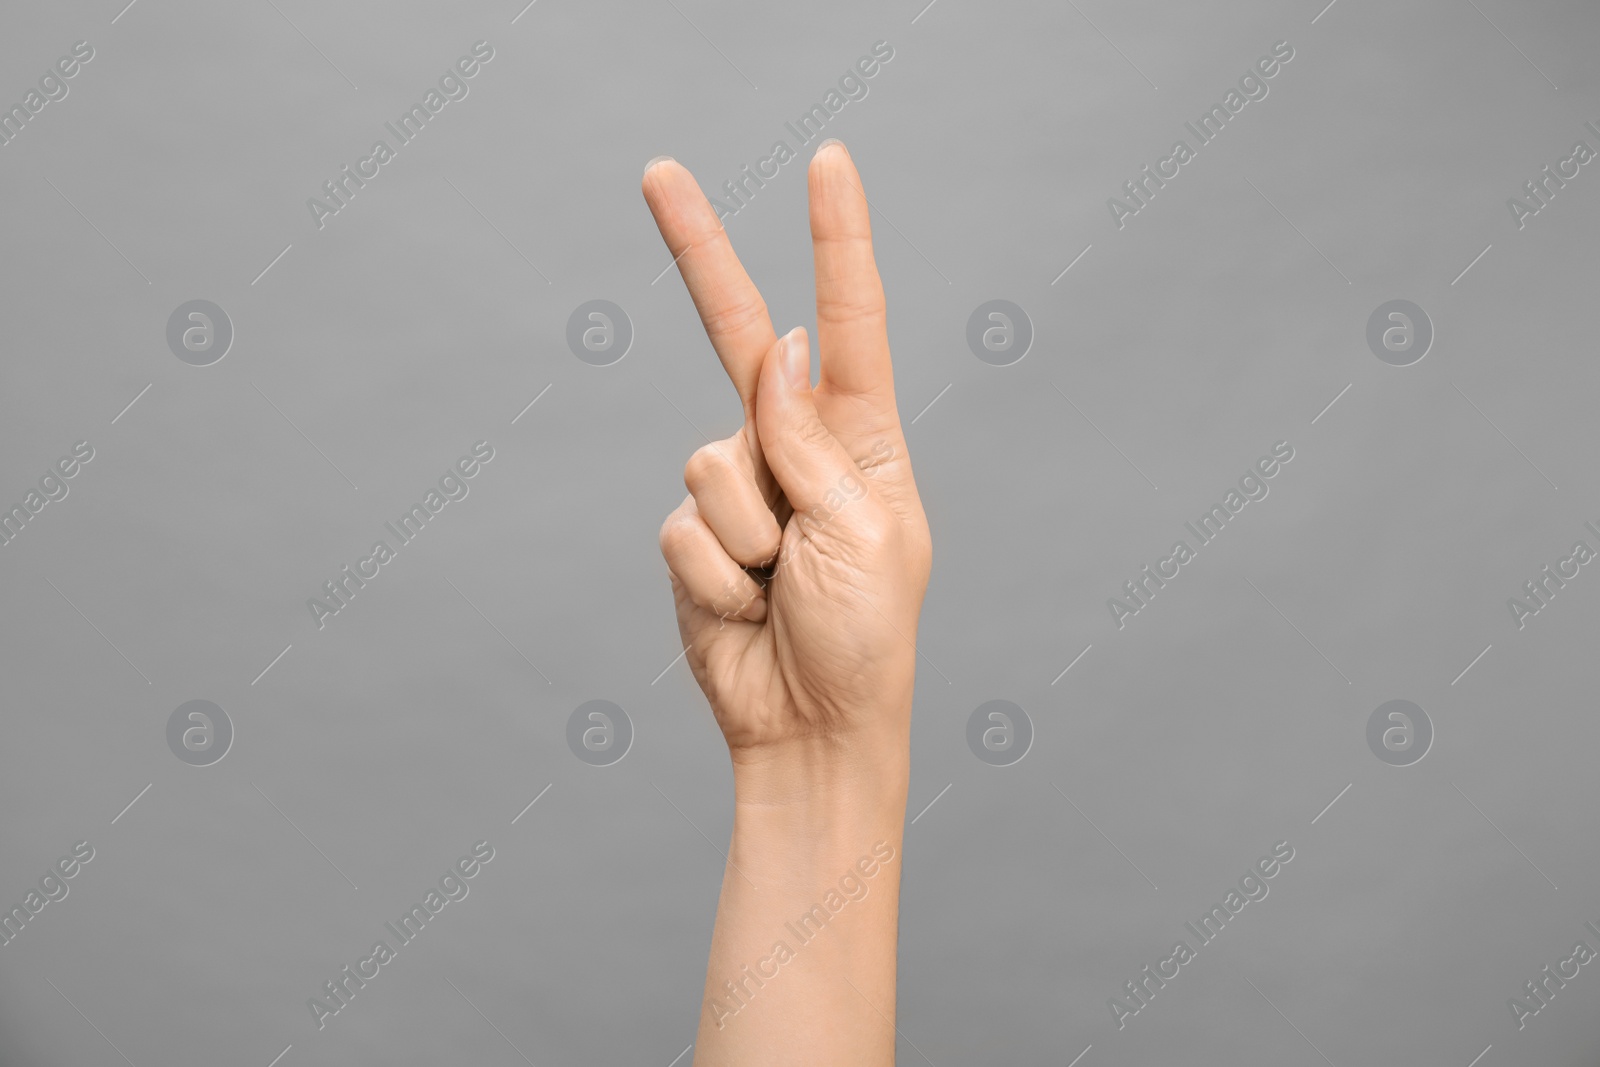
pixel 800 556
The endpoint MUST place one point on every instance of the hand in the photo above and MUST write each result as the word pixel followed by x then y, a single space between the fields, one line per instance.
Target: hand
pixel 816 657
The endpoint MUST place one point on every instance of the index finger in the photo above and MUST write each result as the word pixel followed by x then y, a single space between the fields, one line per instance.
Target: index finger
pixel 730 306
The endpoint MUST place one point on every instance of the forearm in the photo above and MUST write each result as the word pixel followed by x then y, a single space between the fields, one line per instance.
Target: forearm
pixel 802 966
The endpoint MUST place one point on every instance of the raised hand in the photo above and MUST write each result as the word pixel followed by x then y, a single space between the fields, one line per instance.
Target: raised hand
pixel 813 495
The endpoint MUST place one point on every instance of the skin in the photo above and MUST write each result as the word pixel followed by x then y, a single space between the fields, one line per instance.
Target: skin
pixel 807 663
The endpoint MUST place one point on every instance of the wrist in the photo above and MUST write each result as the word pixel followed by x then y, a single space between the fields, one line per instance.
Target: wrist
pixel 825 774
pixel 802 811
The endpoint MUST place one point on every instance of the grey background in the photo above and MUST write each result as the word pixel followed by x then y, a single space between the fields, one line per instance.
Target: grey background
pixel 1224 718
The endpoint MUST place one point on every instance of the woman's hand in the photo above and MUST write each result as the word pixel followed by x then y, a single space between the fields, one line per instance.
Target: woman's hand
pixel 813 659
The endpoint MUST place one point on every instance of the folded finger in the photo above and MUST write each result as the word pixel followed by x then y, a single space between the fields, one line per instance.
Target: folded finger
pixel 721 478
pixel 708 574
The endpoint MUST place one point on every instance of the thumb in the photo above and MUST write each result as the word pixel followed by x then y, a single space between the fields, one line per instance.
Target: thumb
pixel 809 463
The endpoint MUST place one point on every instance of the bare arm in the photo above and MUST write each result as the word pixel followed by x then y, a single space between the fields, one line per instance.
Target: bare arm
pixel 798 563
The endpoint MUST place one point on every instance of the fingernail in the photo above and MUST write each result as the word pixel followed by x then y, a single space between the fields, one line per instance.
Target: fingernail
pixel 832 141
pixel 796 361
pixel 658 159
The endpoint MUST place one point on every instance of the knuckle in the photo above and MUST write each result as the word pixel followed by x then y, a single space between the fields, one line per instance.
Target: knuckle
pixel 702 467
pixel 737 316
pixel 853 305
pixel 674 536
